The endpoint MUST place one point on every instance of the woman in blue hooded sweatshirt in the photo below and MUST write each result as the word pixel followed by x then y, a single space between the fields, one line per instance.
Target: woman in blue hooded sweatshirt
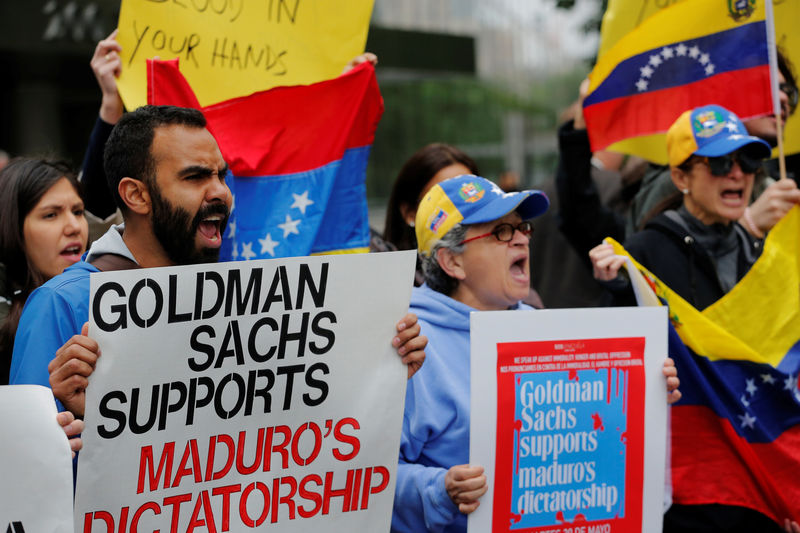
pixel 473 240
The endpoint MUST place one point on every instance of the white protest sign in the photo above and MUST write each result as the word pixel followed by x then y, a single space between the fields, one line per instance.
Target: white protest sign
pixel 35 463
pixel 569 418
pixel 261 394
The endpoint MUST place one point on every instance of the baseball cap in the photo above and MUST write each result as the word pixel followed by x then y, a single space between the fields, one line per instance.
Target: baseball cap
pixel 711 131
pixel 470 199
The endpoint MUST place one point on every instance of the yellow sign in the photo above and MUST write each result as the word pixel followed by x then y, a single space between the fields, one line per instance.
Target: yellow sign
pixel 624 15
pixel 230 48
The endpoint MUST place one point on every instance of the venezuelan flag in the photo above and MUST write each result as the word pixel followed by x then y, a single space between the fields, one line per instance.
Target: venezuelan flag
pixel 736 430
pixel 298 159
pixel 693 53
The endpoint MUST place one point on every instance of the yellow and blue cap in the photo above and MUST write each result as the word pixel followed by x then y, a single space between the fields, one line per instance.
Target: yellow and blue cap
pixel 470 199
pixel 710 131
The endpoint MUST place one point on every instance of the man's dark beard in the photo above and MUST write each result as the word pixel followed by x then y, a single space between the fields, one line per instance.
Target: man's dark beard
pixel 175 230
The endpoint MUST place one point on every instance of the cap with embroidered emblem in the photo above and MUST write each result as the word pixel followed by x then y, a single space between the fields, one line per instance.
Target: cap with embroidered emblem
pixel 711 131
pixel 470 199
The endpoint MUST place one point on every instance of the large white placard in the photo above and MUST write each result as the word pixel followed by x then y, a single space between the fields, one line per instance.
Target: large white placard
pixel 35 463
pixel 235 396
pixel 569 418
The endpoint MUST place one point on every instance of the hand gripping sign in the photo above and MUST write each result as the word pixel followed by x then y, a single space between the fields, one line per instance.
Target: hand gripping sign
pixel 245 395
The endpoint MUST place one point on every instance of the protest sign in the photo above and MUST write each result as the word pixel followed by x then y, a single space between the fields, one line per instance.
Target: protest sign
pixel 230 48
pixel 242 395
pixel 35 463
pixel 559 404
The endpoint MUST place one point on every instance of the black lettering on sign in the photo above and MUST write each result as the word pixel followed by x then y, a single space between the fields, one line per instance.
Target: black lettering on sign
pixel 118 318
pixel 15 527
pixel 230 54
pixel 139 38
pixel 194 40
pixel 216 7
pixel 280 10
pixel 182 46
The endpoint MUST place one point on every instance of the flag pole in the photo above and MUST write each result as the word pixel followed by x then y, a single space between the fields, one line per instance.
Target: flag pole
pixel 781 154
pixel 772 47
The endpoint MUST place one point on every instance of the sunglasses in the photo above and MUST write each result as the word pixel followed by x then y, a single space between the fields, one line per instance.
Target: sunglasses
pixel 504 232
pixel 721 166
pixel 791 92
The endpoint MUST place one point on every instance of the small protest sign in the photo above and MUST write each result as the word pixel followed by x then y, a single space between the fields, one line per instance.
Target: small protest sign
pixel 559 403
pixel 231 48
pixel 245 395
pixel 35 463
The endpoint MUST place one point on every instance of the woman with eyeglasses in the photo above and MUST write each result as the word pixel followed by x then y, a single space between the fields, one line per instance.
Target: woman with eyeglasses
pixel 473 241
pixel 698 249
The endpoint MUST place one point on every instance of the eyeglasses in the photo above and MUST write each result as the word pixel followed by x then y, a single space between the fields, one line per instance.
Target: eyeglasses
pixel 791 92
pixel 721 166
pixel 504 232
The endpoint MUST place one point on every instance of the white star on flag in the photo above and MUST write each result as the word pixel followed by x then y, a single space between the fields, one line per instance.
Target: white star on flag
pixel 730 126
pixel 289 226
pixel 231 228
pixel 747 420
pixel 666 52
pixel 646 71
pixel 704 58
pixel 268 245
pixel 247 251
pixel 641 85
pixel 789 383
pixel 744 401
pixel 233 202
pixel 235 251
pixel 301 201
pixel 694 51
pixel 681 49
pixel 709 69
pixel 767 378
pixel 751 386
pixel 655 60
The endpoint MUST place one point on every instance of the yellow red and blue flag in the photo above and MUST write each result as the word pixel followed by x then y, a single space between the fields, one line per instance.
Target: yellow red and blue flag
pixel 736 430
pixel 298 160
pixel 693 53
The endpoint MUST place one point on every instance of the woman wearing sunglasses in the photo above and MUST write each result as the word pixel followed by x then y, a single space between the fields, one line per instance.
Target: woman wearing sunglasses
pixel 698 249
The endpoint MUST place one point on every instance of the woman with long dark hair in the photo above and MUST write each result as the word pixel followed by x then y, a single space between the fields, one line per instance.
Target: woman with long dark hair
pixel 428 166
pixel 43 230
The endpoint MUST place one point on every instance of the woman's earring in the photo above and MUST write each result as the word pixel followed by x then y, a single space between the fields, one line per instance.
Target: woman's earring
pixel 685 191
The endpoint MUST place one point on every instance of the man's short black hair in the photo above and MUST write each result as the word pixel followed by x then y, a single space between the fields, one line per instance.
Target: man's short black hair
pixel 128 151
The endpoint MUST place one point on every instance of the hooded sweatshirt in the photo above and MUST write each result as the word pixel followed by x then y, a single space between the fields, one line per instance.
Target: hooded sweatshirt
pixel 436 420
pixel 700 263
